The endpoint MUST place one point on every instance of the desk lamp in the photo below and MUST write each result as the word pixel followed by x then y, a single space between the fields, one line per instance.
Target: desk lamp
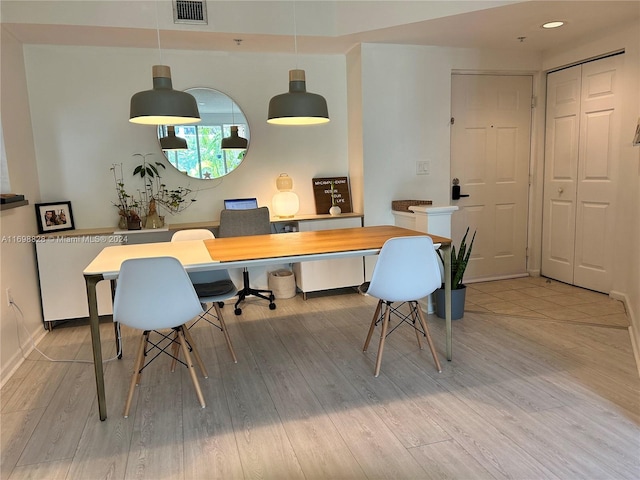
pixel 285 203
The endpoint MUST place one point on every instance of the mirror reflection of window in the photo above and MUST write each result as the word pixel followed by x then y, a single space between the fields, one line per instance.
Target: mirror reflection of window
pixel 204 158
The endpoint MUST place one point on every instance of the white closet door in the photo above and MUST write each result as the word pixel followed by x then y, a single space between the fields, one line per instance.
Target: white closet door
pixel 597 173
pixel 560 173
pixel 581 151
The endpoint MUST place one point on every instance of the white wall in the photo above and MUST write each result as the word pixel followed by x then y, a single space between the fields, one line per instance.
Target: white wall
pixel 354 104
pixel 80 105
pixel 406 112
pixel 17 264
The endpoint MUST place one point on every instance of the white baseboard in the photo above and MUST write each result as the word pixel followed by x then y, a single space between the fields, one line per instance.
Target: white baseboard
pixel 493 278
pixel 634 328
pixel 17 359
pixel 427 304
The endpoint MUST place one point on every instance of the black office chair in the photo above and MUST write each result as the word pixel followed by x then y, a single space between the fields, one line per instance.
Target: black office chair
pixel 240 223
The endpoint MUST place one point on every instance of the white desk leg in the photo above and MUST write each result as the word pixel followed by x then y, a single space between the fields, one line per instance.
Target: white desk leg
pixel 446 253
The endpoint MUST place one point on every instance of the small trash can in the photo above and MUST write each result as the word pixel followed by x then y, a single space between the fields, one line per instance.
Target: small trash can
pixel 282 283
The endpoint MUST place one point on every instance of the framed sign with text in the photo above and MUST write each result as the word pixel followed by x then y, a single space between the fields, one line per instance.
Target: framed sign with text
pixel 331 191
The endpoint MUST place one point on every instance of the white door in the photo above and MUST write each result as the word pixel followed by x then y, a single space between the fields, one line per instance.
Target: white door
pixel 581 148
pixel 560 173
pixel 490 147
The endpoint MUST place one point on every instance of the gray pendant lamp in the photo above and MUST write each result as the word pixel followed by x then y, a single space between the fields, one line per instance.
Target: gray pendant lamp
pixel 163 105
pixel 234 141
pixel 171 142
pixel 297 106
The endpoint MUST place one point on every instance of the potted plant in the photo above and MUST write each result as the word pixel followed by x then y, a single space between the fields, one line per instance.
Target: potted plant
pixel 128 207
pixel 153 196
pixel 459 262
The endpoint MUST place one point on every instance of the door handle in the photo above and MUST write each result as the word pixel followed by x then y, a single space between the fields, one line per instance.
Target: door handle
pixel 455 190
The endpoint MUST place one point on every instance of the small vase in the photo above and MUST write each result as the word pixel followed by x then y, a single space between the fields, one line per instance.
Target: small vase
pixel 154 221
pixel 122 223
pixel 133 224
pixel 335 210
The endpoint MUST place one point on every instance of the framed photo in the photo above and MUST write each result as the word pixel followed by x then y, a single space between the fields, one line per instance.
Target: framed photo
pixel 54 217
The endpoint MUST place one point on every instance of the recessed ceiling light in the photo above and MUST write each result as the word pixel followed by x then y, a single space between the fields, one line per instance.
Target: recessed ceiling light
pixel 554 24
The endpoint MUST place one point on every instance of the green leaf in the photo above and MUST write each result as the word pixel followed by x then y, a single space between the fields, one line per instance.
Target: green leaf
pixel 151 170
pixel 459 259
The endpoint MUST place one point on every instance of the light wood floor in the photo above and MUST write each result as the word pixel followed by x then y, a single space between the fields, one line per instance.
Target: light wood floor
pixel 525 397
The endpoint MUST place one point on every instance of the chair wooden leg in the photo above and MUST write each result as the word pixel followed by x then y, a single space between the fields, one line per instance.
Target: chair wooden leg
pixel 192 371
pixel 135 378
pixel 373 326
pixel 383 335
pixel 429 340
pixel 413 306
pixel 189 338
pixel 223 326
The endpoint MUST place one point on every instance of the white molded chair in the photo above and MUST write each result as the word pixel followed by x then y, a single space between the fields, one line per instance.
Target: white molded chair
pixel 154 294
pixel 406 271
pixel 212 287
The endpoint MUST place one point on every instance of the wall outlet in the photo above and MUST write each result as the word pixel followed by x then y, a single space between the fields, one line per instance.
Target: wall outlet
pixel 9 297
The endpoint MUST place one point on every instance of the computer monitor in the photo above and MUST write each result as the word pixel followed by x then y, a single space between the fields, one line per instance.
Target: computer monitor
pixel 240 203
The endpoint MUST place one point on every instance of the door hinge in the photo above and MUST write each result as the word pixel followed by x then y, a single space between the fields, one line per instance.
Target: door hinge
pixel 452 121
pixel 534 101
pixel 530 179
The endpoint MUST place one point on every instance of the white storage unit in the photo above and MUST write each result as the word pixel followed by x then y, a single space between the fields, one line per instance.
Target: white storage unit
pixel 328 274
pixel 61 261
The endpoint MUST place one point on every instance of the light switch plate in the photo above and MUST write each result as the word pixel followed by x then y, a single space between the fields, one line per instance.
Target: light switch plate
pixel 422 167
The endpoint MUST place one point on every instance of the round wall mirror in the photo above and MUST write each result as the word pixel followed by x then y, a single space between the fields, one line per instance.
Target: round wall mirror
pixel 204 157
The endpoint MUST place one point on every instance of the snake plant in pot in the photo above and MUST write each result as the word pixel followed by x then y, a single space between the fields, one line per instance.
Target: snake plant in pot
pixel 459 261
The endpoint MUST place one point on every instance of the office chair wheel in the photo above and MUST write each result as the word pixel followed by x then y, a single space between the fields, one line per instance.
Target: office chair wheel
pixel 272 306
pixel 221 304
pixel 238 311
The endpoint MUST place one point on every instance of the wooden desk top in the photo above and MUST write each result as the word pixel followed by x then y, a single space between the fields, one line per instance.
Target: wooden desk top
pixel 307 243
pixel 198 255
pixel 190 253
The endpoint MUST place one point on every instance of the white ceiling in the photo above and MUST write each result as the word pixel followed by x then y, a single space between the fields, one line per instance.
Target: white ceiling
pixel 328 27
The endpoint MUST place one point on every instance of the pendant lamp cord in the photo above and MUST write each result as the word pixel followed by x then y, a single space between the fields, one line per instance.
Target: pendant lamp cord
pixel 158 32
pixel 295 34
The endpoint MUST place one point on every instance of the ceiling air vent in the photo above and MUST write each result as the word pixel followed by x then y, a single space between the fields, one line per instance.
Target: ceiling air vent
pixel 190 11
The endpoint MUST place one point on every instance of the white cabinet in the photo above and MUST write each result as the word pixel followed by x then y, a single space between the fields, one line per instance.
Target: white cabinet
pixel 61 261
pixel 429 219
pixel 327 274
